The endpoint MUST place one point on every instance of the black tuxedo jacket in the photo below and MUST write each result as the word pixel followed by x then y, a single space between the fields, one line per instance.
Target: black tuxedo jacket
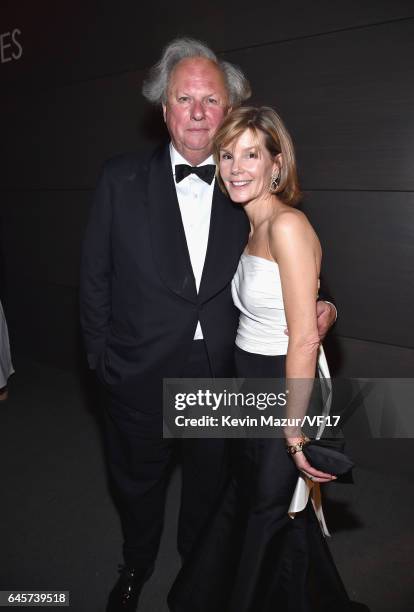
pixel 139 304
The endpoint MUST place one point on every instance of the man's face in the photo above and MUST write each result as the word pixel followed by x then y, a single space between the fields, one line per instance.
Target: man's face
pixel 197 103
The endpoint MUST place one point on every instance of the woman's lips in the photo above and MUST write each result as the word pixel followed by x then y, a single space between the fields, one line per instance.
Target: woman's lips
pixel 239 184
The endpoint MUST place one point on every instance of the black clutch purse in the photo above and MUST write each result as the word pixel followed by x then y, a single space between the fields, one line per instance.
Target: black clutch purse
pixel 327 455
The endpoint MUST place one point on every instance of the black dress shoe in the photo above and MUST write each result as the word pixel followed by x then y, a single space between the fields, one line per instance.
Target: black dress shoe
pixel 125 594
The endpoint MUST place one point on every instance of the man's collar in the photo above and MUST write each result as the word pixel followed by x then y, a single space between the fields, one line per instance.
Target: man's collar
pixel 177 158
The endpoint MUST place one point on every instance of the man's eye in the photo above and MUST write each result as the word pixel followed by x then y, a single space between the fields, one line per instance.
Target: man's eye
pixel 183 99
pixel 212 101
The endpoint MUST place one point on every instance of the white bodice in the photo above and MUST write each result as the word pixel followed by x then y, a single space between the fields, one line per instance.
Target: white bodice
pixel 257 293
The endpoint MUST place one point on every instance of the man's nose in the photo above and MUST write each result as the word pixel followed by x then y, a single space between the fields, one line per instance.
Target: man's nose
pixel 197 110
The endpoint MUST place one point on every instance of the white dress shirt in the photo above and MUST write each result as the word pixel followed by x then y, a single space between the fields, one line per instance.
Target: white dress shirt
pixel 195 197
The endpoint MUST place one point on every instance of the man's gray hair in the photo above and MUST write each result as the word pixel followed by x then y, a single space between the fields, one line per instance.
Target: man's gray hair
pixel 156 86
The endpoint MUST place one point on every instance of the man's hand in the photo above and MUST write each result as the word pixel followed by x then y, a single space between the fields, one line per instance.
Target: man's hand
pixel 326 314
pixel 326 317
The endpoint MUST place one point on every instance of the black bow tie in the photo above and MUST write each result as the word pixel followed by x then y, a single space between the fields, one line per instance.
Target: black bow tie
pixel 206 173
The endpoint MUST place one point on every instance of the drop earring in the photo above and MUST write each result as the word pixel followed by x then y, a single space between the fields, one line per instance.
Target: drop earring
pixel 275 181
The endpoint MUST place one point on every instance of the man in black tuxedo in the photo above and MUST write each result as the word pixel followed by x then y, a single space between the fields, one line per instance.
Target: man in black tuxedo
pixel 160 250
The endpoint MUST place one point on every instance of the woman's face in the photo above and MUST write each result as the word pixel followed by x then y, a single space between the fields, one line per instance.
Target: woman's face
pixel 246 167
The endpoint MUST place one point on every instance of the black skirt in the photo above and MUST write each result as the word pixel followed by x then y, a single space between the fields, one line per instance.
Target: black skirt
pixel 252 557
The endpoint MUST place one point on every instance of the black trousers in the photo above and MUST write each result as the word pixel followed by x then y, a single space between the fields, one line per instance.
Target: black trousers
pixel 140 466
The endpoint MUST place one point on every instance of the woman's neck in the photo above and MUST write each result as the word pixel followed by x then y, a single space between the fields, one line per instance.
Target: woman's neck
pixel 259 211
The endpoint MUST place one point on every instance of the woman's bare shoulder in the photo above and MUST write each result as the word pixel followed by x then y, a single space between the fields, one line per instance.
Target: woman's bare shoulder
pixel 288 220
pixel 290 230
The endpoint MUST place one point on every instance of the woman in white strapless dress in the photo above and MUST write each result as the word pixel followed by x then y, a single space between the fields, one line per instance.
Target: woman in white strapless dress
pixel 253 557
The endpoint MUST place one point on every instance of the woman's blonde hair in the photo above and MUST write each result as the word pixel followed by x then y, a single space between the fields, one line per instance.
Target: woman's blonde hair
pixel 277 140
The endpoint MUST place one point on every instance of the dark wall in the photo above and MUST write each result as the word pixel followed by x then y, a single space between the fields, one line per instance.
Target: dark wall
pixel 340 74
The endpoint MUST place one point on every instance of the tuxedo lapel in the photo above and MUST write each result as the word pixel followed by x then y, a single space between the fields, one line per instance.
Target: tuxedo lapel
pixel 227 237
pixel 167 231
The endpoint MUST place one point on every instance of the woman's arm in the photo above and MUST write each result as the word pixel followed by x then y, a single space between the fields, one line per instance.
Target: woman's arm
pixel 295 246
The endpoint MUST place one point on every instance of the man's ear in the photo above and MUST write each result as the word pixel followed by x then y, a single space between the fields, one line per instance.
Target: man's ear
pixel 229 109
pixel 164 112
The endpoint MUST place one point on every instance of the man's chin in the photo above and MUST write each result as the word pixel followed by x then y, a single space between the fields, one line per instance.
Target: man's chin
pixel 196 155
pixel 198 144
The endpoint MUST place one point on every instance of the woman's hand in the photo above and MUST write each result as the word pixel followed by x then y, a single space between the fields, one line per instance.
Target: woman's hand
pixel 303 464
pixel 307 470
